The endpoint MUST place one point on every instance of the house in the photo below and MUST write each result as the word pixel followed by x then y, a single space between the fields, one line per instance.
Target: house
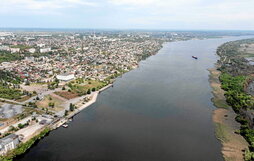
pixel 40 45
pixel 32 50
pixel 15 50
pixel 65 77
pixel 45 50
pixel 8 143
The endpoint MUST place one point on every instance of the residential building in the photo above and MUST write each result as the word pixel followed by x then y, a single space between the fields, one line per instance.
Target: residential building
pixel 8 143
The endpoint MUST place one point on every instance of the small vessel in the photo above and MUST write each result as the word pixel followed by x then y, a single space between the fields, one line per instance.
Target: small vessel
pixel 70 119
pixel 194 57
pixel 65 125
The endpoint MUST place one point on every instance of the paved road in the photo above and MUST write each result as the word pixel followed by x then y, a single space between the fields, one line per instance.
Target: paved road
pixel 41 95
pixel 16 124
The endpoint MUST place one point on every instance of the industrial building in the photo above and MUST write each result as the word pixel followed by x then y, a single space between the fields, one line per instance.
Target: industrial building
pixel 65 77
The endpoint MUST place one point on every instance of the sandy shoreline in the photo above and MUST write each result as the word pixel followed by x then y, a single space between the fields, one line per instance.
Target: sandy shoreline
pixel 233 145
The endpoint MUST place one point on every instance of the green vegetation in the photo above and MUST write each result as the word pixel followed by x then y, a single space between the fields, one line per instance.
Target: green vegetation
pixel 21 46
pixel 54 84
pixel 51 104
pixel 23 147
pixel 21 126
pixel 9 92
pixel 232 57
pixel 72 107
pixel 239 101
pixel 235 75
pixel 248 155
pixel 6 56
pixel 9 88
pixel 235 95
pixel 221 132
pixel 82 87
pixel 6 76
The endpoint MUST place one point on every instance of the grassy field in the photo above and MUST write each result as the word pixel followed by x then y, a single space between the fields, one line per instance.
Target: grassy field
pixel 50 99
pixel 67 95
pixel 82 87
pixel 220 132
pixel 22 99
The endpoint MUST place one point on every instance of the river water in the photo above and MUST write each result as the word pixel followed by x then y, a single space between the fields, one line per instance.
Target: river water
pixel 160 111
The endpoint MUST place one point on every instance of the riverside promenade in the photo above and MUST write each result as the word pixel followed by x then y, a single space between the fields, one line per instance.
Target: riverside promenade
pixel 93 99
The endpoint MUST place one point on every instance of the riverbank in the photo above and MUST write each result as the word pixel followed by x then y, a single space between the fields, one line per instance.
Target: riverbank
pixel 93 97
pixel 70 114
pixel 28 142
pixel 233 145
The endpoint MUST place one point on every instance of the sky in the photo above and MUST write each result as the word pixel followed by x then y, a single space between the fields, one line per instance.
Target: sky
pixel 129 14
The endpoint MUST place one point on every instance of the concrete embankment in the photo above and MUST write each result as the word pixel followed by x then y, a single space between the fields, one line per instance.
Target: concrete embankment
pixel 93 99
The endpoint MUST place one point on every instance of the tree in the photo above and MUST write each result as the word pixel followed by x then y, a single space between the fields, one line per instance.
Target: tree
pixel 93 89
pixel 20 126
pixel 65 113
pixel 51 104
pixel 72 107
pixel 88 91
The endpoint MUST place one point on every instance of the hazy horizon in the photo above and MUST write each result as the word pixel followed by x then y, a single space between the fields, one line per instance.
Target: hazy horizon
pixel 128 14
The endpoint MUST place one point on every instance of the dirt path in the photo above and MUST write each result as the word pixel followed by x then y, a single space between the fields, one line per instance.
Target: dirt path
pixel 58 97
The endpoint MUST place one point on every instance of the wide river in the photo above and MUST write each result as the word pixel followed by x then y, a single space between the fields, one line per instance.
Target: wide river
pixel 161 111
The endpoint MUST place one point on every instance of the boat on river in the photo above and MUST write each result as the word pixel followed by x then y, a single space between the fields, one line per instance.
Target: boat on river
pixel 194 57
pixel 65 125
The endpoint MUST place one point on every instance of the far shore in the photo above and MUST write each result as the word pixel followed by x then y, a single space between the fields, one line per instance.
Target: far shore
pixel 233 145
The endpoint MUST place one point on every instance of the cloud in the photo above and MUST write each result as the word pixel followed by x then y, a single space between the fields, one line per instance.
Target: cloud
pixel 189 13
pixel 134 13
pixel 41 5
pixel 155 3
pixel 132 2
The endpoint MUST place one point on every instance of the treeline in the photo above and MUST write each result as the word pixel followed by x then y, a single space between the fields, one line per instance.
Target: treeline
pixel 6 56
pixel 237 98
pixel 23 147
pixel 9 86
pixel 235 74
pixel 232 59
pixel 235 94
pixel 10 93
pixel 6 76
